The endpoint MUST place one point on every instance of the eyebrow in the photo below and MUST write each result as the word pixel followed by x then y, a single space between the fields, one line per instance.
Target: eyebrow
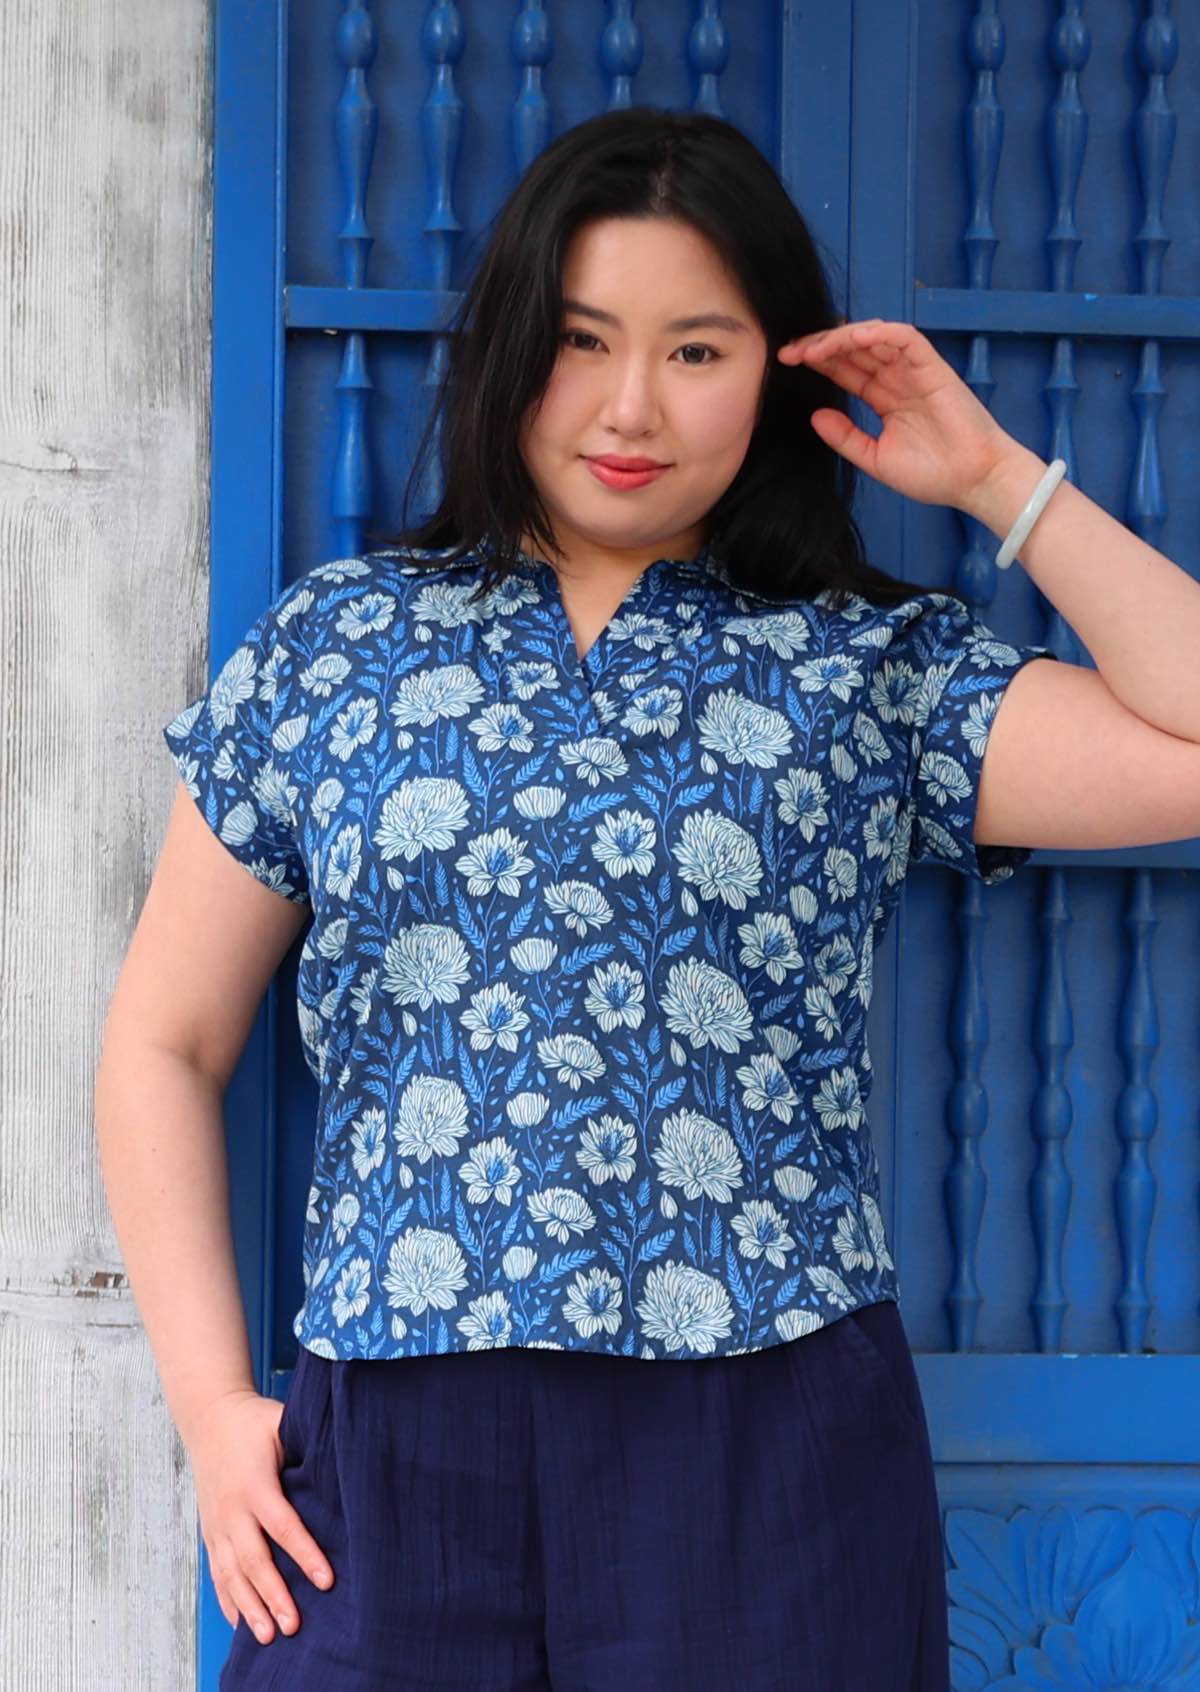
pixel 707 320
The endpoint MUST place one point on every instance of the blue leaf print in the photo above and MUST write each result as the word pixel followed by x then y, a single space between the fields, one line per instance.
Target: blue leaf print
pixel 568 924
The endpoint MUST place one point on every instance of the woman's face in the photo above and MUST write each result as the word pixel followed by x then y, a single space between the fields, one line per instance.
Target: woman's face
pixel 635 378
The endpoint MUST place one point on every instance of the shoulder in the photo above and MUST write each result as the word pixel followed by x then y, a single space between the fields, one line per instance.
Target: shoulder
pixel 360 591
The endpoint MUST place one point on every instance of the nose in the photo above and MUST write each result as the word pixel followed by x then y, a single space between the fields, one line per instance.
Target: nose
pixel 632 404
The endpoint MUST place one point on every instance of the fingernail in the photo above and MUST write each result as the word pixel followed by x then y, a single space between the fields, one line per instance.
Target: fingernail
pixel 263 1631
pixel 284 1619
pixel 320 1577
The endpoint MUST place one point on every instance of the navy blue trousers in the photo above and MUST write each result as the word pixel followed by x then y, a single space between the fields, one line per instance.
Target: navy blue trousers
pixel 529 1520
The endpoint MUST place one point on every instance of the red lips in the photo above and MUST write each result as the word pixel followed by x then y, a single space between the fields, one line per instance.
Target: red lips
pixel 615 463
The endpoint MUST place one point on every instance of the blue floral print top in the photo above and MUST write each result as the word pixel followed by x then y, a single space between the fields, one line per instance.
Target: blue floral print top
pixel 586 980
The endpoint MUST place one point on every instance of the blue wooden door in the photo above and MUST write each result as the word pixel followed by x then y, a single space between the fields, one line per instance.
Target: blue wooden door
pixel 1020 181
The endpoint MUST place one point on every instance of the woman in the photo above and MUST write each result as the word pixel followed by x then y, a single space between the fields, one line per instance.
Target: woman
pixel 599 788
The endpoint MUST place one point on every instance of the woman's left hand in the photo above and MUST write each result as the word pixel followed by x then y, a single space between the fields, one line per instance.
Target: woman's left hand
pixel 938 444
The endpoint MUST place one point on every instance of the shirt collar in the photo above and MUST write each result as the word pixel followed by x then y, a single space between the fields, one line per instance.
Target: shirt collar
pixel 708 564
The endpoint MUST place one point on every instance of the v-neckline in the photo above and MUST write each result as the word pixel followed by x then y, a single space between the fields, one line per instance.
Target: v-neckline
pixel 585 663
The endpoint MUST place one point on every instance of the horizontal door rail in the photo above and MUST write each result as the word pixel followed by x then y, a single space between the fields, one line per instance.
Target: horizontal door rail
pixel 981 311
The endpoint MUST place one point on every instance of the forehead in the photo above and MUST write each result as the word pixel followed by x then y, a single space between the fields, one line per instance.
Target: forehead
pixel 649 266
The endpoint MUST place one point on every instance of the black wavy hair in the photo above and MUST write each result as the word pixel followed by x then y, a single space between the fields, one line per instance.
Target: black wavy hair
pixel 784 526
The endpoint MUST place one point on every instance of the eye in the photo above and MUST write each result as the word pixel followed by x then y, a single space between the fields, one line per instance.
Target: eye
pixel 572 336
pixel 700 346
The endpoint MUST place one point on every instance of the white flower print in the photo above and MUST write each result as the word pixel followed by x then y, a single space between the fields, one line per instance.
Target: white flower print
pixel 232 686
pixel 490 1171
pixel 344 1216
pixel 765 1086
pixel 536 803
pixel 656 710
pixel 488 1322
pixel 836 673
pixel 769 943
pixel 794 1324
pixel 624 844
pixel 354 728
pixel 430 1119
pixel 353 1291
pixel 742 731
pixel 699 1156
pixel 562 1211
pixel 762 1232
pixel 597 759
pixel 685 1308
pixel 420 815
pixel 719 858
pixel 326 800
pixel 502 728
pixel 495 1017
pixel 836 963
pixel 706 1006
pixel 533 957
pixel 529 679
pixel 593 1303
pixel 591 952
pixel 802 801
pixel 793 1183
pixel 944 777
pixel 445 605
pixel 430 696
pixel 785 632
pixel 894 692
pixel 820 1008
pixel 829 1282
pixel 572 1058
pixel 425 964
pixel 616 997
pixel 607 1149
pixel 519 1262
pixel 495 860
pixel 425 1268
pixel 369 1142
pixel 371 614
pixel 325 673
pixel 850 1243
pixel 838 1102
pixel 841 873
pixel 870 740
pixel 581 905
pixel 344 862
pixel 340 570
pixel 879 829
pixel 875 1231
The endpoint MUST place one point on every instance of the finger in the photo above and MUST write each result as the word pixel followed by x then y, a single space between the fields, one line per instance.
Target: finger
pixel 875 333
pixel 232 1585
pixel 865 356
pixel 286 1527
pixel 837 431
pixel 246 1597
pixel 228 1608
pixel 258 1566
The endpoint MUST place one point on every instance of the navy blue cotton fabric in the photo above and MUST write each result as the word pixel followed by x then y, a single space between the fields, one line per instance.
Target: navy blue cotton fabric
pixel 586 981
pixel 524 1521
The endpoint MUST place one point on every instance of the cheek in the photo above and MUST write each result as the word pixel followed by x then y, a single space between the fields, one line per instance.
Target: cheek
pixel 725 423
pixel 560 401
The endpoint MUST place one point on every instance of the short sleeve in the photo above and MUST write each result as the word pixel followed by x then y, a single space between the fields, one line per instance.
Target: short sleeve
pixel 232 745
pixel 964 669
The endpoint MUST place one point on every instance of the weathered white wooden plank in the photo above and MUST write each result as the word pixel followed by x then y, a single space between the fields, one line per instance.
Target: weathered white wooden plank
pixel 105 202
